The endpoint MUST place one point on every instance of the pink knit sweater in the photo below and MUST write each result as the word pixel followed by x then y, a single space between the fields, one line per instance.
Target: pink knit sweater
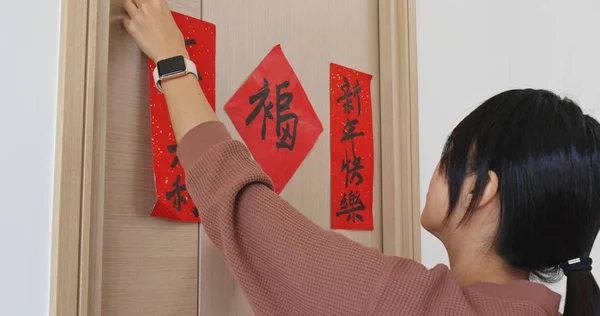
pixel 287 265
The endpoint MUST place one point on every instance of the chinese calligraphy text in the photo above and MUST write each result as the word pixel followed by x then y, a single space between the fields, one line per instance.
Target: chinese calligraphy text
pixel 287 138
pixel 351 149
pixel 275 118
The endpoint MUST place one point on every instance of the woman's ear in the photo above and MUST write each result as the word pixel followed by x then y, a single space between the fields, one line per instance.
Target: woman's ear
pixel 490 190
pixel 466 194
pixel 488 195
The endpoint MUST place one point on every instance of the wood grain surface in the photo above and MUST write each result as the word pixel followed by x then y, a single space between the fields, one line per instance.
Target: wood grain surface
pixel 312 34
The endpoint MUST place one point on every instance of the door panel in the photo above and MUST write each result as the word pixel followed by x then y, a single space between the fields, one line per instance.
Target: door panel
pixel 312 33
pixel 150 266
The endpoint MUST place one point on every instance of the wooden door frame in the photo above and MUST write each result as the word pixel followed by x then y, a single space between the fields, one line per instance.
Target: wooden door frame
pixel 399 129
pixel 76 263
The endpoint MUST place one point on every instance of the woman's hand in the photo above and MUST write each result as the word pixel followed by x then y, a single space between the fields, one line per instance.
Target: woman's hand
pixel 152 26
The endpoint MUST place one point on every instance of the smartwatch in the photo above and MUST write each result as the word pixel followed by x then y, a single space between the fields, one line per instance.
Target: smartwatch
pixel 172 68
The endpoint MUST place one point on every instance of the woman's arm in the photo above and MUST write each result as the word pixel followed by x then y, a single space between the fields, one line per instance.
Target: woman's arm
pixel 286 264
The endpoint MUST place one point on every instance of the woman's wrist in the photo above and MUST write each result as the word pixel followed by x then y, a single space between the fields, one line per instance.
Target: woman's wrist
pixel 187 104
pixel 173 53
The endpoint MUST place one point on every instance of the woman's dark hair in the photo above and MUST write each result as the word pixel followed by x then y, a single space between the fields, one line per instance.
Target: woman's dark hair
pixel 546 154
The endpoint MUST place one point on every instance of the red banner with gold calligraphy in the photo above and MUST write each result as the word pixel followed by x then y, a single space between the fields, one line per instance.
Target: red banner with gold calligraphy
pixel 352 159
pixel 172 198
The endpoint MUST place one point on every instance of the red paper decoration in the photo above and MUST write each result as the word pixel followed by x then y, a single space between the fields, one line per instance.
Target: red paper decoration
pixel 351 149
pixel 172 198
pixel 275 118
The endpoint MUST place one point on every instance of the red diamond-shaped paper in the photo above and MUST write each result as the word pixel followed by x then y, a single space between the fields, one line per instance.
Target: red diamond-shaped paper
pixel 275 118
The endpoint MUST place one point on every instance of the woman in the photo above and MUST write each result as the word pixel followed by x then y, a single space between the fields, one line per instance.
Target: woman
pixel 516 194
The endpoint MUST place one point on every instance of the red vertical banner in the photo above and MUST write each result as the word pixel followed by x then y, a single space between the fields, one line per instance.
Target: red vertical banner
pixel 352 159
pixel 172 198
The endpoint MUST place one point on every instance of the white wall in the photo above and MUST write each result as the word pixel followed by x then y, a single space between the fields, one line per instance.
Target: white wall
pixel 469 50
pixel 29 36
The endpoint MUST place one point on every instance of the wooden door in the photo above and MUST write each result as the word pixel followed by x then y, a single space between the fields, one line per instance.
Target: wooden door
pixel 312 33
pixel 157 267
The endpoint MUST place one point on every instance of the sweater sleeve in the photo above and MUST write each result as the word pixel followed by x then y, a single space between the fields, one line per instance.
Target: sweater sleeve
pixel 285 264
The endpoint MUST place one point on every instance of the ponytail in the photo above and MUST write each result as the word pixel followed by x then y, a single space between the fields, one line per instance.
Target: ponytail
pixel 583 294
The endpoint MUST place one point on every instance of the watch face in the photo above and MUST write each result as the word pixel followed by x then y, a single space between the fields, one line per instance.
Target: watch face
pixel 171 66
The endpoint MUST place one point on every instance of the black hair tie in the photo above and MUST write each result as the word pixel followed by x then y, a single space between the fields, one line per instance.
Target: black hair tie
pixel 575 265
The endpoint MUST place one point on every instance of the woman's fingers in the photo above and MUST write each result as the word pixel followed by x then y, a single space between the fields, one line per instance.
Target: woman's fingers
pixel 130 7
pixel 127 23
pixel 152 27
pixel 131 10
